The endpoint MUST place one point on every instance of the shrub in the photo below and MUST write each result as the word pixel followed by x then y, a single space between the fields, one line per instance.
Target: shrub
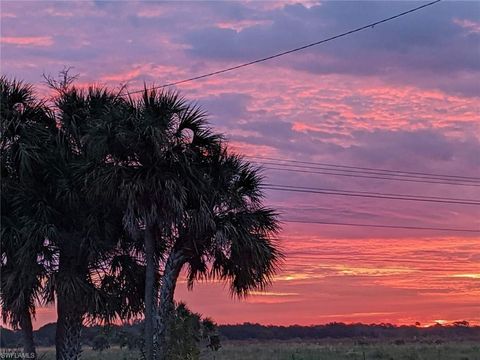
pixel 189 334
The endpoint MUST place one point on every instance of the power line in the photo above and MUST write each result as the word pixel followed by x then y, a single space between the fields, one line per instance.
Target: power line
pixel 379 226
pixel 375 193
pixel 369 194
pixel 390 176
pixel 368 26
pixel 365 168
pixel 380 172
pixel 338 173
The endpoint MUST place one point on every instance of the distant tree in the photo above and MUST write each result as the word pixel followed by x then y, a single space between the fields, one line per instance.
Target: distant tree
pixel 129 339
pixel 463 323
pixel 9 338
pixel 100 343
pixel 45 335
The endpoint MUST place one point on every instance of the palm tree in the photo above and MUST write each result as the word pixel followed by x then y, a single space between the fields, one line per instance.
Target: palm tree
pixel 94 251
pixel 107 188
pixel 25 128
pixel 60 240
pixel 225 233
pixel 148 152
pixel 191 201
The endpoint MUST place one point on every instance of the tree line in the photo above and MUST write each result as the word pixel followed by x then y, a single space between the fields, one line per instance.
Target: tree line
pixel 129 335
pixel 336 330
pixel 106 198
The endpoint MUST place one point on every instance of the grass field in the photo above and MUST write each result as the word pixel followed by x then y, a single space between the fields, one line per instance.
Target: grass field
pixel 346 351
pixel 292 350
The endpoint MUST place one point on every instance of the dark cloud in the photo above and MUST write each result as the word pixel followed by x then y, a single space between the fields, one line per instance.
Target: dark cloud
pixel 428 44
pixel 226 110
pixel 383 146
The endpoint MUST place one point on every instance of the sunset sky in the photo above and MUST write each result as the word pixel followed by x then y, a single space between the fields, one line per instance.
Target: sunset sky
pixel 402 96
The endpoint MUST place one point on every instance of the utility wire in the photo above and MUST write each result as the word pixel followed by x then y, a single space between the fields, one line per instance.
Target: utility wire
pixel 370 194
pixel 383 173
pixel 338 173
pixel 379 226
pixel 364 168
pixel 368 26
pixel 375 193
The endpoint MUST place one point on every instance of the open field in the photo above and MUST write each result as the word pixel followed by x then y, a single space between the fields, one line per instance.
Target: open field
pixel 312 350
pixel 347 351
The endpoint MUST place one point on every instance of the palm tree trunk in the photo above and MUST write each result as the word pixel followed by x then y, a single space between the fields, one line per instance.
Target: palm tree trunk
pixel 166 307
pixel 149 292
pixel 69 327
pixel 71 307
pixel 27 330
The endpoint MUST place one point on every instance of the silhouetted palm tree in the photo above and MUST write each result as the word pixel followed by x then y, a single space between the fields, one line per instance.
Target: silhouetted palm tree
pixel 93 258
pixel 225 233
pixel 25 131
pixel 110 188
pixel 59 239
pixel 190 201
pixel 149 162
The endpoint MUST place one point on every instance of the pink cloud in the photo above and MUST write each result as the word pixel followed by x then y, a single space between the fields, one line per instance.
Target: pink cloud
pixel 7 15
pixel 274 5
pixel 303 127
pixel 123 76
pixel 27 40
pixel 241 24
pixel 246 149
pixel 136 72
pixel 151 13
pixel 473 27
pixel 55 12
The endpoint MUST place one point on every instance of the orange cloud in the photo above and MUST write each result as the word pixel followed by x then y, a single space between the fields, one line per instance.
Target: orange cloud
pixel 369 280
pixel 246 149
